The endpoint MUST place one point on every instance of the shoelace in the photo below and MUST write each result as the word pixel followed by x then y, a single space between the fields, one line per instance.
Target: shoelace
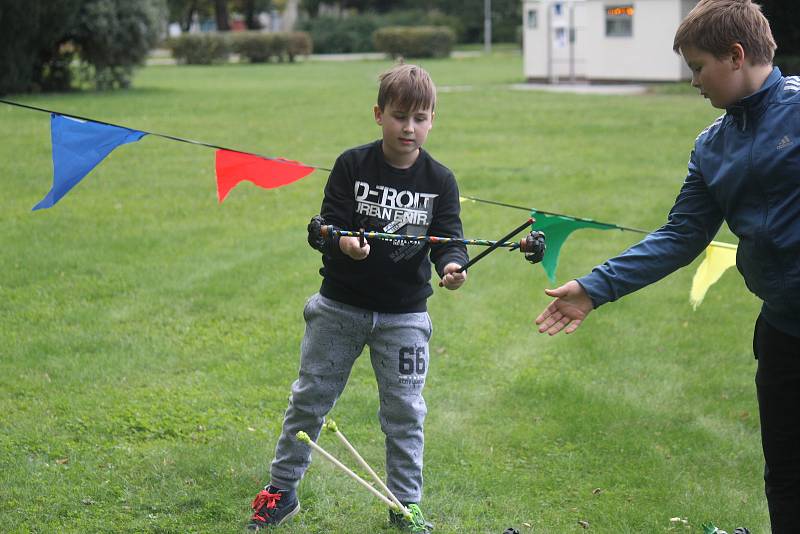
pixel 417 520
pixel 265 498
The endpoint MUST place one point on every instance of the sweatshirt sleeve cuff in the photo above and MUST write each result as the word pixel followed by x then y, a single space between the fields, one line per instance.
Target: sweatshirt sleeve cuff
pixel 333 249
pixel 453 257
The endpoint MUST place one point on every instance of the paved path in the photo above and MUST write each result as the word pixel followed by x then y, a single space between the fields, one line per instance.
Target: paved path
pixel 164 57
pixel 578 88
pixel 583 88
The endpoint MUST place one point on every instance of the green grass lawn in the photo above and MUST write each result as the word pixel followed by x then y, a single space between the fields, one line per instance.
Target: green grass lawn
pixel 149 335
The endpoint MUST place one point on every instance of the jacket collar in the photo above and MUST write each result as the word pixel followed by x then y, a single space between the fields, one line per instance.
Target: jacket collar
pixel 753 105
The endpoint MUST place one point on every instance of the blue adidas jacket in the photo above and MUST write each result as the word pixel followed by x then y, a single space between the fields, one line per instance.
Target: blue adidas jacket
pixel 745 169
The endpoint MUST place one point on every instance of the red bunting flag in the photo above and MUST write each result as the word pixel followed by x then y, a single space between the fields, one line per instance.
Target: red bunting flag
pixel 235 167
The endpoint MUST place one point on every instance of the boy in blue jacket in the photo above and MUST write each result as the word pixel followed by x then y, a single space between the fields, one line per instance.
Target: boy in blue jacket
pixel 745 170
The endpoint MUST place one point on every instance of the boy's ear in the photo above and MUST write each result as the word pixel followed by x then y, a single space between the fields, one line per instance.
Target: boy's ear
pixel 378 115
pixel 737 55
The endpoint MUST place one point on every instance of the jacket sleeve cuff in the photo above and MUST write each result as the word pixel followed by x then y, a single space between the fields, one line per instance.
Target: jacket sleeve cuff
pixel 596 288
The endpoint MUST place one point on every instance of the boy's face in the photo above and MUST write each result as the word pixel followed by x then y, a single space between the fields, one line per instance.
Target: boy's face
pixel 719 80
pixel 404 131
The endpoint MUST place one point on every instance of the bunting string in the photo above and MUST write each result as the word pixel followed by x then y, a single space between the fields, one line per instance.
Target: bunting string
pixel 557 227
pixel 79 144
pixel 554 214
pixel 156 134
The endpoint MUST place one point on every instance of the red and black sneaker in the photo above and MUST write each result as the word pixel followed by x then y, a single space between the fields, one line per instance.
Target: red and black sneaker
pixel 271 507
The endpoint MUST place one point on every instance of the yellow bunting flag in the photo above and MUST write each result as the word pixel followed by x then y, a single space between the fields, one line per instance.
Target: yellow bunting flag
pixel 719 257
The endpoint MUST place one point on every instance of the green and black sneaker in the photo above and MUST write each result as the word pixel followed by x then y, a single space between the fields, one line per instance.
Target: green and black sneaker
pixel 416 524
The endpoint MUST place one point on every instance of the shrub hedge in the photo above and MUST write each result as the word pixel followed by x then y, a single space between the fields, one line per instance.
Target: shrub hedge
pixel 254 46
pixel 789 65
pixel 333 35
pixel 353 32
pixel 407 41
pixel 260 47
pixel 199 48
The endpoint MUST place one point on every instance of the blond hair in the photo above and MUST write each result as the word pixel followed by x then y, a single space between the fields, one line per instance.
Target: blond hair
pixel 716 25
pixel 407 87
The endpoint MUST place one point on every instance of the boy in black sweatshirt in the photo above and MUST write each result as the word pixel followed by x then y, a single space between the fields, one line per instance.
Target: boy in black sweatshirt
pixel 374 293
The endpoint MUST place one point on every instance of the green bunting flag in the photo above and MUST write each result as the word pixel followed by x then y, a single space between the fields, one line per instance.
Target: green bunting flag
pixel 557 229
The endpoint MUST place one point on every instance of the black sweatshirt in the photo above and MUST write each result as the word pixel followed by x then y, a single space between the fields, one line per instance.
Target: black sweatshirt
pixel 364 191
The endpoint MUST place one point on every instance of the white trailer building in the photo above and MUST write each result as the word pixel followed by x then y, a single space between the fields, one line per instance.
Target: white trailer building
pixel 603 40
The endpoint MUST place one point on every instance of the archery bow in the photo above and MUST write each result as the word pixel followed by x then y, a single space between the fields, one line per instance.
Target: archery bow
pixel 532 245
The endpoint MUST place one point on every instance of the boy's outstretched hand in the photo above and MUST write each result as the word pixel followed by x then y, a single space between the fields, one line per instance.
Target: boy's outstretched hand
pixel 352 247
pixel 452 279
pixel 567 312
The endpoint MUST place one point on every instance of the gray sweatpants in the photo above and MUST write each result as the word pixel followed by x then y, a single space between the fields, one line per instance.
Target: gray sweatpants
pixel 335 336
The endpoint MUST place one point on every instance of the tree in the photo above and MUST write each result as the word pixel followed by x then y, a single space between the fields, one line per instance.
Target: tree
pixel 311 7
pixel 221 14
pixel 783 17
pixel 506 14
pixel 39 39
pixel 30 37
pixel 113 36
pixel 184 11
pixel 361 6
pixel 291 9
pixel 251 8
pixel 506 18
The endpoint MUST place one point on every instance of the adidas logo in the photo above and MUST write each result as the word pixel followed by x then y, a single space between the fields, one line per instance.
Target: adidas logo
pixel 784 142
